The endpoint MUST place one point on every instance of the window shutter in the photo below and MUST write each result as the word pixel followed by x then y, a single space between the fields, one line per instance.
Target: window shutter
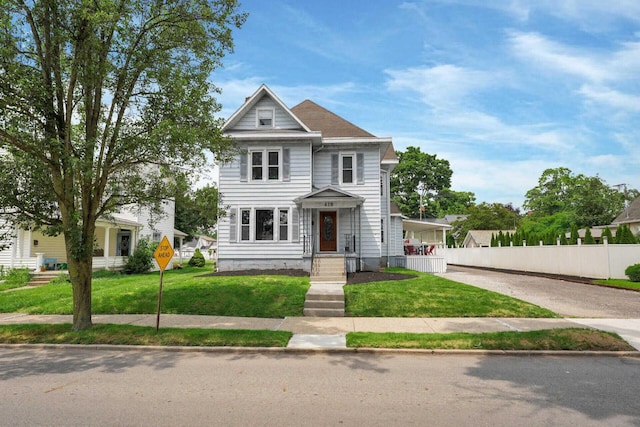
pixel 286 165
pixel 360 166
pixel 334 169
pixel 295 225
pixel 243 166
pixel 233 225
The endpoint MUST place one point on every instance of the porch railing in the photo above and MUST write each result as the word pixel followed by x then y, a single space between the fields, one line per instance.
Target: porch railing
pixel 350 243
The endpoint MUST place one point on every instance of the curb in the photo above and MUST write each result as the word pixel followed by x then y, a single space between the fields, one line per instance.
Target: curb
pixel 331 351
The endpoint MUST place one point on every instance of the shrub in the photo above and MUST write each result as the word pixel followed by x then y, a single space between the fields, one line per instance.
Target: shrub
pixel 142 259
pixel 633 272
pixel 16 276
pixel 197 260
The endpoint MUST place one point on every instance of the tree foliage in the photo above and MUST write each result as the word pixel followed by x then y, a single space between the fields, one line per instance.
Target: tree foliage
pixel 421 174
pixel 588 201
pixel 99 101
pixel 197 212
pixel 485 216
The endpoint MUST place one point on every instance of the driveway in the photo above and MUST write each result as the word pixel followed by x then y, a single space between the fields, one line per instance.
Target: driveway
pixel 566 298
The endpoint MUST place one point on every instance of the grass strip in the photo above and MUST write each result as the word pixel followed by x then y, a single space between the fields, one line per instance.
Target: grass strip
pixel 141 335
pixel 620 283
pixel 574 339
pixel 429 295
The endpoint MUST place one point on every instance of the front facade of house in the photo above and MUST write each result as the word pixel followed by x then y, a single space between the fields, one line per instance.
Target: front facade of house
pixel 306 183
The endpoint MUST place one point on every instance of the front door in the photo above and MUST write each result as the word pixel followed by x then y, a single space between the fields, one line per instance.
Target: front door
pixel 328 232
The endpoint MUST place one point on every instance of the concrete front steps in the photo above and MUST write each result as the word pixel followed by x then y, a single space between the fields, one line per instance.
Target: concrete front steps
pixel 325 297
pixel 324 300
pixel 43 278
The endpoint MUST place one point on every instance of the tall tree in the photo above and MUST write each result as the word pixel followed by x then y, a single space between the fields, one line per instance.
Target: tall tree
pixel 99 100
pixel 197 212
pixel 589 201
pixel 419 176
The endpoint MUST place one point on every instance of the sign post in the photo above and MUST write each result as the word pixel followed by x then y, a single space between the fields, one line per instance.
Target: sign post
pixel 163 254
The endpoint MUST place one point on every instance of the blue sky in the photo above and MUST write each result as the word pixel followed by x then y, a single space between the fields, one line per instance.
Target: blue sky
pixel 501 89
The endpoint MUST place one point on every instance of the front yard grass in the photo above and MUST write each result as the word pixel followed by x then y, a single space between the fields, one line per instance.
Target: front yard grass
pixel 186 291
pixel 432 296
pixel 193 291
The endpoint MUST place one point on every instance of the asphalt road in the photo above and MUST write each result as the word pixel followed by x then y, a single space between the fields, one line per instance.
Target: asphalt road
pixel 84 387
pixel 566 298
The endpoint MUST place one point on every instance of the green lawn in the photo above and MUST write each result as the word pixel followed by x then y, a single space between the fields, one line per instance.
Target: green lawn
pixel 620 283
pixel 141 335
pixel 192 291
pixel 551 339
pixel 187 291
pixel 432 296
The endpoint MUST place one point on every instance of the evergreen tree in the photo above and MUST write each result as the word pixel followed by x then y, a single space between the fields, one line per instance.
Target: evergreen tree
pixel 607 233
pixel 573 240
pixel 588 237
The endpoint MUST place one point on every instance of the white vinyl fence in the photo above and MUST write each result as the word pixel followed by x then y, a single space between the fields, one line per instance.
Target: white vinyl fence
pixel 589 261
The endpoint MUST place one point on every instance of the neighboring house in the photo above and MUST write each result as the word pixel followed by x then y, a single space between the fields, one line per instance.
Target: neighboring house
pixel 481 238
pixel 115 239
pixel 306 183
pixel 630 216
pixel 208 247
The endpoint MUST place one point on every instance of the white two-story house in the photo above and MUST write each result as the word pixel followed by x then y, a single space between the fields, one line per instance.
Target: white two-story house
pixel 306 184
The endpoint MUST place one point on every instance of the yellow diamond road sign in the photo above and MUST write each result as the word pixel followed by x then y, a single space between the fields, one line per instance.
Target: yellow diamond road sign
pixel 163 253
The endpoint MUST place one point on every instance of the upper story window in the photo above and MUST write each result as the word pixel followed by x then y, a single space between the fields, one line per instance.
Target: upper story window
pixel 265 163
pixel 346 166
pixel 265 117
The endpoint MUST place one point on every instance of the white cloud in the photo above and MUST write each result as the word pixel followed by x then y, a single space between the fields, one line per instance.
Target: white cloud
pixel 547 54
pixel 440 86
pixel 611 98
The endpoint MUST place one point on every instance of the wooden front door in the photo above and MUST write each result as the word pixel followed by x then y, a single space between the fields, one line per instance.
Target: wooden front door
pixel 328 232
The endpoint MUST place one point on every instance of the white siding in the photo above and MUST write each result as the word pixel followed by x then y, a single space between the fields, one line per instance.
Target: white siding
pixel 267 195
pixel 368 240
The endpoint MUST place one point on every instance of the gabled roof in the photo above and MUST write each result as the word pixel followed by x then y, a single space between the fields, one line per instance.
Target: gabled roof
pixel 483 237
pixel 630 214
pixel 250 102
pixel 331 125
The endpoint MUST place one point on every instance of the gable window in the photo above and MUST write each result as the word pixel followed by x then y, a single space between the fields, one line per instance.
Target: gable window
pixel 347 168
pixel 265 118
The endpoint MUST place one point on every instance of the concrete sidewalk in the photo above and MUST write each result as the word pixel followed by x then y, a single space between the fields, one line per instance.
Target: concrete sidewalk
pixel 330 332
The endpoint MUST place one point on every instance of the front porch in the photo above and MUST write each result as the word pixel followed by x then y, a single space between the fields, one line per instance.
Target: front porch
pixel 331 225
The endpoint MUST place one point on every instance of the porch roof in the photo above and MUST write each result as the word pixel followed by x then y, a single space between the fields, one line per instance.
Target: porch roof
pixel 329 197
pixel 417 226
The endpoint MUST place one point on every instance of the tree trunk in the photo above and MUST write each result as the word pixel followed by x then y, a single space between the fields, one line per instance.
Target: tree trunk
pixel 80 274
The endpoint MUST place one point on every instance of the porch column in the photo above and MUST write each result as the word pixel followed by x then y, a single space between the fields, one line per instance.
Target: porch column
pixel 107 244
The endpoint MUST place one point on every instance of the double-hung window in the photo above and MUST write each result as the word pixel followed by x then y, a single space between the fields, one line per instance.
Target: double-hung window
pixel 266 164
pixel 347 168
pixel 284 225
pixel 245 224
